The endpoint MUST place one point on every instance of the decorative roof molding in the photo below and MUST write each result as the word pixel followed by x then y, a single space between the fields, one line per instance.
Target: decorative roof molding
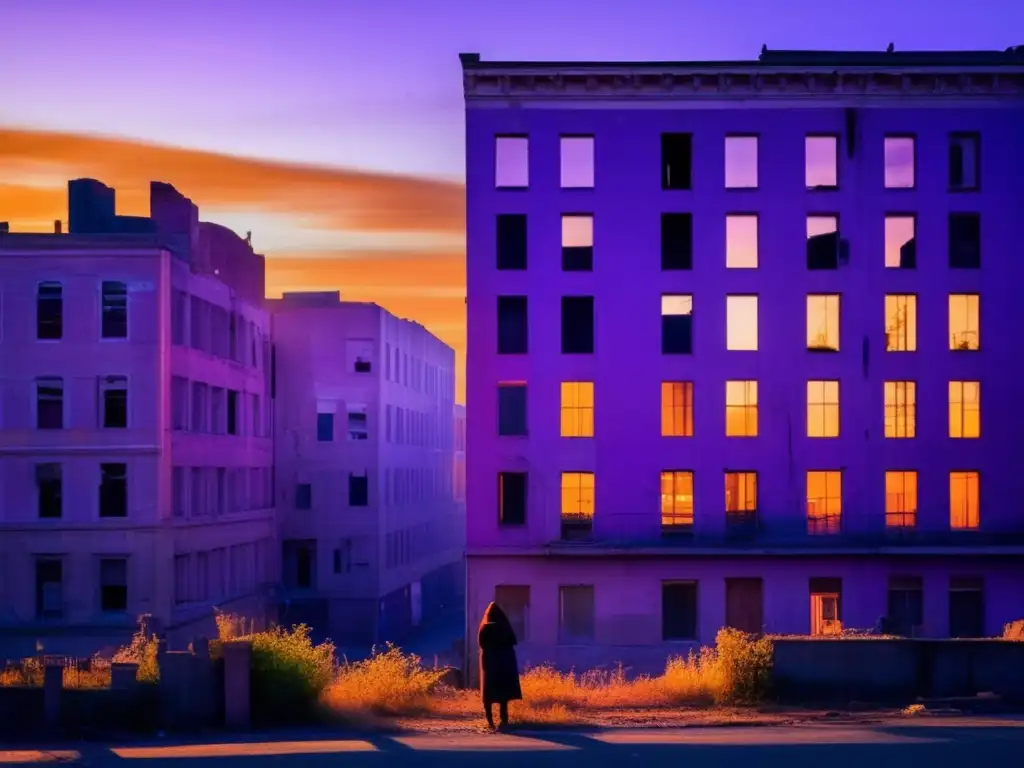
pixel 755 81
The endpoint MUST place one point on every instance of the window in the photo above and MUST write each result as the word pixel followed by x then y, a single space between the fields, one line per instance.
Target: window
pixel 900 322
pixel 741 409
pixel 964 500
pixel 900 409
pixel 824 501
pixel 114 402
pixel 678 610
pixel 677 409
pixel 232 412
pixel 676 160
pixel 577 500
pixel 514 600
pixel 512 409
pixel 677 324
pixel 964 162
pixel 325 427
pixel 965 240
pixel 899 162
pixel 303 496
pixel 511 162
pixel 676 241
pixel 677 500
pixel 966 606
pixel 821 162
pixel 511 237
pixel 115 310
pixel 823 322
pixel 512 325
pixel 964 326
pixel 741 323
pixel 900 242
pixel 50 311
pixel 49 403
pixel 50 490
pixel 577 162
pixel 512 498
pixel 826 606
pixel 358 422
pixel 114 584
pixel 900 499
pixel 49 588
pixel 906 605
pixel 965 409
pixel 575 615
pixel 358 490
pixel 741 241
pixel 823 242
pixel 577 409
pixel 179 403
pixel 577 242
pixel 740 498
pixel 577 325
pixel 823 409
pixel 114 490
pixel 741 162
pixel 359 354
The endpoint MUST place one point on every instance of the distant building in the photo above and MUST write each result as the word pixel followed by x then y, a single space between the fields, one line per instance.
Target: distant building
pixel 135 434
pixel 726 360
pixel 371 533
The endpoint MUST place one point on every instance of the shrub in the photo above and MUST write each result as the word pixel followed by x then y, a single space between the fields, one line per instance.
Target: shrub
pixel 1014 630
pixel 289 673
pixel 389 682
pixel 142 650
pixel 744 666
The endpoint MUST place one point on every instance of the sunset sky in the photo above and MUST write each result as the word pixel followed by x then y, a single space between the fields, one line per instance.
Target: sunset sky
pixel 333 129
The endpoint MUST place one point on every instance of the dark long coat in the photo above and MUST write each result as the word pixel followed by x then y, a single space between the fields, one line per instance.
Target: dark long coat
pixel 499 670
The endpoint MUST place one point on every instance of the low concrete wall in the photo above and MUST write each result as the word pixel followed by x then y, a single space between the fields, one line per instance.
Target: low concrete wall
pixel 896 670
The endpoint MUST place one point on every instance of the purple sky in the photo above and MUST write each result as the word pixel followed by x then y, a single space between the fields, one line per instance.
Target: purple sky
pixel 375 84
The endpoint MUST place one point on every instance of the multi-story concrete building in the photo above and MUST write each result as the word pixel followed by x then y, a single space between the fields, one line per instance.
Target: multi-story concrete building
pixel 726 360
pixel 364 421
pixel 135 435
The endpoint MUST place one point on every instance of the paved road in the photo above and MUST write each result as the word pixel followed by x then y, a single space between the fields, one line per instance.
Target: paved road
pixel 924 742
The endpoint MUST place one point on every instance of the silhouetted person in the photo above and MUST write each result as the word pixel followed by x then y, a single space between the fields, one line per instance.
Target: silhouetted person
pixel 499 671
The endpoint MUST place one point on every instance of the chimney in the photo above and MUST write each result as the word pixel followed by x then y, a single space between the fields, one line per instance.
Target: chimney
pixel 5 227
pixel 57 227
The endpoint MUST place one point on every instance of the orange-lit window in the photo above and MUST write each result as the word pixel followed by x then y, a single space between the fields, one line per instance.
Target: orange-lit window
pixel 900 409
pixel 826 606
pixel 741 241
pixel 577 409
pixel 965 409
pixel 900 499
pixel 741 323
pixel 823 409
pixel 741 409
pixel 823 322
pixel 677 408
pixel 964 330
pixel 824 501
pixel 901 323
pixel 578 496
pixel 677 499
pixel 964 500
pixel 740 493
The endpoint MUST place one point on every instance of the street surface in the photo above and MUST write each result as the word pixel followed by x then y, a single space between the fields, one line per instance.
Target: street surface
pixel 923 741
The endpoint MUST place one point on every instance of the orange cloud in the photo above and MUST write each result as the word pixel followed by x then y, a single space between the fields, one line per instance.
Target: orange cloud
pixel 424 286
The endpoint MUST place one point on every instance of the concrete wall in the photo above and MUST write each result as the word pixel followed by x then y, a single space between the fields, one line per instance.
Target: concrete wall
pixel 896 670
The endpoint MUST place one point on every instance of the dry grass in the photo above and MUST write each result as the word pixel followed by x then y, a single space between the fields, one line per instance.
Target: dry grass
pixel 29 674
pixel 391 683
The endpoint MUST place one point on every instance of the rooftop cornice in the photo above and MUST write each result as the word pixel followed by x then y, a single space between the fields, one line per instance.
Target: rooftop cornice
pixel 755 81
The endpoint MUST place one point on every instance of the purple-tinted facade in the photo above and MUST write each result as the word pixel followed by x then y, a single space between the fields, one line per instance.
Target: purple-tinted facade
pixel 135 427
pixel 622 218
